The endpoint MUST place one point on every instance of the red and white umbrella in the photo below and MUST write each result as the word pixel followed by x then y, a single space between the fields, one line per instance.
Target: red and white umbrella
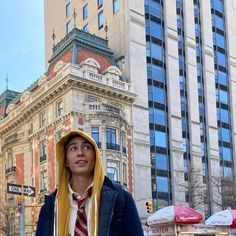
pixel 177 214
pixel 226 217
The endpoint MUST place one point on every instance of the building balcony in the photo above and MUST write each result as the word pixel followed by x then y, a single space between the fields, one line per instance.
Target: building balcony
pixel 43 158
pixel 113 146
pixel 106 109
pixel 10 170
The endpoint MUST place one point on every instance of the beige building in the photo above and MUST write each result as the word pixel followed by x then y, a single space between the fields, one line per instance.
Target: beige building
pixel 126 36
pixel 82 89
pixel 180 57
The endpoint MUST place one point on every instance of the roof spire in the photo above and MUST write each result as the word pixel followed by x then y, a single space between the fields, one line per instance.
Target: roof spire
pixel 106 29
pixel 53 37
pixel 74 16
pixel 6 81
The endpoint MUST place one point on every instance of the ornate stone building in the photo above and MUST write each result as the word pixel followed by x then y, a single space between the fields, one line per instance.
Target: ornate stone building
pixel 82 89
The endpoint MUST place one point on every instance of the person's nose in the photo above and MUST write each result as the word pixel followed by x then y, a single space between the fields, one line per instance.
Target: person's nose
pixel 80 151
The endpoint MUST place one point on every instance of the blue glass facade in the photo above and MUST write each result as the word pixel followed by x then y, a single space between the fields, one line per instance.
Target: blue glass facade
pixel 222 86
pixel 183 89
pixel 157 97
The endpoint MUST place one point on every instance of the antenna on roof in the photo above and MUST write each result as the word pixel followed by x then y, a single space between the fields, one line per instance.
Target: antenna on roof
pixel 53 37
pixel 106 29
pixel 6 81
pixel 74 16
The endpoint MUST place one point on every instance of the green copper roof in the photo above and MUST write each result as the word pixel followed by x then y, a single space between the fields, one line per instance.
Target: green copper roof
pixel 84 38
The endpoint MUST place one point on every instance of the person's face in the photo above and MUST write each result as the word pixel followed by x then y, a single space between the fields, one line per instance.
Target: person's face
pixel 80 157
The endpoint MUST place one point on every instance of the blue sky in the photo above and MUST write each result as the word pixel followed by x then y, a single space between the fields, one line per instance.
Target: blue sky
pixel 21 43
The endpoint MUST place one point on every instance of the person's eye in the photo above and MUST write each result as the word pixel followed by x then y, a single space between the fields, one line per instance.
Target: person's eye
pixel 87 147
pixel 73 148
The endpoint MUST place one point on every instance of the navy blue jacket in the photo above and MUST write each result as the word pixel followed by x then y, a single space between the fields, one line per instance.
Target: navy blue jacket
pixel 129 225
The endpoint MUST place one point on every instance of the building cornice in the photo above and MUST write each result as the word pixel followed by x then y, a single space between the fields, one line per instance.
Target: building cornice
pixel 68 77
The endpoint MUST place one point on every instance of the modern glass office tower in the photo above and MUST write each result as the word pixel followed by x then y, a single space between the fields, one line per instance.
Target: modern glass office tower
pixel 190 73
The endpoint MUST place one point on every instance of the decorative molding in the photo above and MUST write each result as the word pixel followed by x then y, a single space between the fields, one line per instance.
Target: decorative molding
pixel 58 66
pixel 90 64
pixel 25 96
pixel 42 80
pixel 112 71
pixel 10 107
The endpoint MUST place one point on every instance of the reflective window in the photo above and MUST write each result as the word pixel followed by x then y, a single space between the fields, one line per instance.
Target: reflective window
pixel 111 135
pixel 225 154
pixel 223 115
pixel 221 58
pixel 160 139
pixel 100 19
pixel 218 22
pixel 162 184
pixel 159 117
pixel 225 134
pixel 116 6
pixel 156 51
pixel 219 40
pixel 161 161
pixel 223 96
pixel 154 8
pixel 113 171
pixel 85 12
pixel 68 9
pixel 100 2
pixel 155 72
pixel 68 27
pixel 159 95
pixel 154 29
pixel 217 4
pixel 95 134
pixel 85 28
pixel 222 77
pixel 227 172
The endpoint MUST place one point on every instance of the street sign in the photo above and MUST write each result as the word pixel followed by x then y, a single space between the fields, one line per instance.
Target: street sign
pixel 17 190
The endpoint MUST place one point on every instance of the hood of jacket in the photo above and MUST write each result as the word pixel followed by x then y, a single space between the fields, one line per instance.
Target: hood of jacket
pixel 63 202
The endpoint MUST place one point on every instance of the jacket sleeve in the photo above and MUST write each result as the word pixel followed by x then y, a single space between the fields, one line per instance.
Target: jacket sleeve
pixel 132 224
pixel 45 226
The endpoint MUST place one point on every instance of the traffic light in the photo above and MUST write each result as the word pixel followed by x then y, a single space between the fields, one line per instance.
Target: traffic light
pixel 149 206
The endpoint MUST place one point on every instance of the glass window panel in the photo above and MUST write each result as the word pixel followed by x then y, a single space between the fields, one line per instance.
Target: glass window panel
pixel 221 58
pixel 159 95
pixel 68 27
pixel 113 171
pixel 160 139
pixel 116 6
pixel 217 4
pixel 159 117
pixel 111 135
pixel 218 22
pixel 225 134
pixel 155 30
pixel 226 154
pixel 219 40
pixel 100 19
pixel 161 161
pixel 223 96
pixel 85 12
pixel 162 184
pixel 222 77
pixel 68 9
pixel 100 2
pixel 95 134
pixel 223 115
pixel 85 28
pixel 156 51
pixel 227 171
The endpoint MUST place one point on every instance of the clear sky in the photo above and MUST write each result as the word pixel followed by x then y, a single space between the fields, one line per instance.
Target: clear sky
pixel 21 43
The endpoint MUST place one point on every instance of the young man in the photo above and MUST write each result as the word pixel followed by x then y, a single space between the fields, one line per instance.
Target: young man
pixel 86 203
